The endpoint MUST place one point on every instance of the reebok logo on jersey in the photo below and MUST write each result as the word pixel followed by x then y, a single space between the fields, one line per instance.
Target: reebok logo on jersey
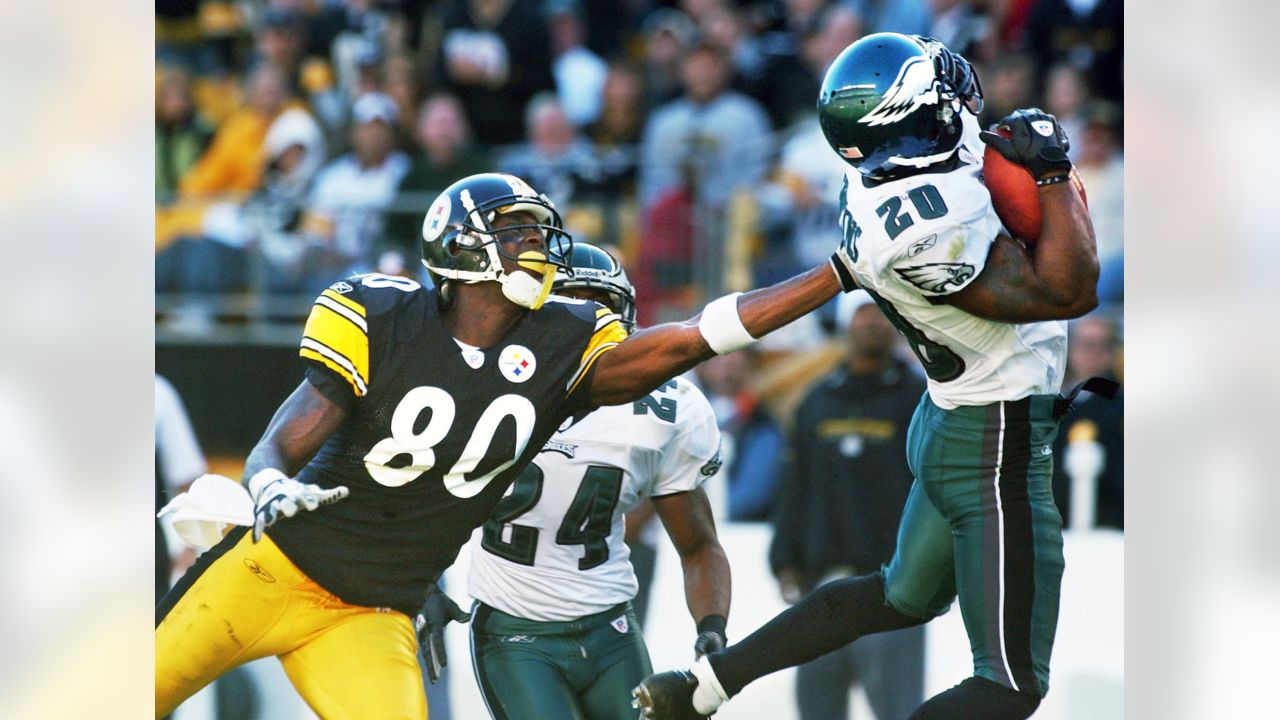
pixel 517 363
pixel 517 639
pixel 921 246
pixel 620 624
pixel 342 288
pixel 937 277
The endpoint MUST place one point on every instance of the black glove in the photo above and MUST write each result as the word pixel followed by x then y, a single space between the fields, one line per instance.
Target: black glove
pixel 711 635
pixel 1036 142
pixel 438 611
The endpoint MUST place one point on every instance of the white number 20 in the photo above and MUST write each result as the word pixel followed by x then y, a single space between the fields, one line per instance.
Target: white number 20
pixel 420 446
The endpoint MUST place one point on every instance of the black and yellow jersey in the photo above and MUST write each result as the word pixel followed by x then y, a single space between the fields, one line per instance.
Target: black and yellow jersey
pixel 434 434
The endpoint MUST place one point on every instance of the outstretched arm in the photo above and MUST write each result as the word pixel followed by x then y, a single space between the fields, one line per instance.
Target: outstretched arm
pixel 300 426
pixel 692 529
pixel 654 355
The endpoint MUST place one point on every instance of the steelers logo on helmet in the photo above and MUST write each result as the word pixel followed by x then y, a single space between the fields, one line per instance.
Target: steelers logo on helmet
pixel 892 103
pixel 437 218
pixel 460 237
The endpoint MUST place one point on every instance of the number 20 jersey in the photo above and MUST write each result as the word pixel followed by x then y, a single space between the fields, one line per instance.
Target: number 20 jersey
pixel 554 550
pixel 430 443
pixel 926 236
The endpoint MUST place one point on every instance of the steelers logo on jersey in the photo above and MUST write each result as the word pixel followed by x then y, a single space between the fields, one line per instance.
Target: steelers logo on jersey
pixel 517 363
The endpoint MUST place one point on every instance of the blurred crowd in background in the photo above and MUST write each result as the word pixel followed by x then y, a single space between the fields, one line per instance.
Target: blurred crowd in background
pixel 300 141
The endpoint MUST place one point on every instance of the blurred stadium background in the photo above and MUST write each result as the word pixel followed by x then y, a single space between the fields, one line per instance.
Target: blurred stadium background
pixel 297 141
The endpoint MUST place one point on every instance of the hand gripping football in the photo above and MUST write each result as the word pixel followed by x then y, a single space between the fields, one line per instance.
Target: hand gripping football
pixel 1014 193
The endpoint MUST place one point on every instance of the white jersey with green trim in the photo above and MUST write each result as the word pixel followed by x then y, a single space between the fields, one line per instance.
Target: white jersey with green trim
pixel 553 548
pixel 923 237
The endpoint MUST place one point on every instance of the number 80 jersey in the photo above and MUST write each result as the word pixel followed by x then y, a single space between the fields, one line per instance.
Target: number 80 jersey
pixel 433 435
pixel 918 239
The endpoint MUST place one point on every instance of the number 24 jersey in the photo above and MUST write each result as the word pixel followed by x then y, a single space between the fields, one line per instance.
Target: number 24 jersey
pixel 553 549
pixel 434 434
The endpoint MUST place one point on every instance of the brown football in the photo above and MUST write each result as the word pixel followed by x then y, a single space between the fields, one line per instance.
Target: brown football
pixel 1014 193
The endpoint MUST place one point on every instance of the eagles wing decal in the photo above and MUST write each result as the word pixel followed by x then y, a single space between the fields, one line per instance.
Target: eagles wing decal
pixel 936 277
pixel 909 89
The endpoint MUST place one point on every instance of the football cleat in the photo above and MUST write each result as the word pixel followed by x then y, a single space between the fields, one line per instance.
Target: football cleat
pixel 666 696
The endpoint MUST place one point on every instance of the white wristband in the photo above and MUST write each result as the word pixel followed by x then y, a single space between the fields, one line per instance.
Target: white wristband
pixel 722 327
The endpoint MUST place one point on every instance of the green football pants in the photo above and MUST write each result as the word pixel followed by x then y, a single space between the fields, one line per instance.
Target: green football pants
pixel 582 669
pixel 980 523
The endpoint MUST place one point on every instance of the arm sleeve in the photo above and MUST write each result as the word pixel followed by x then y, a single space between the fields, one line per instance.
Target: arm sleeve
pixel 335 344
pixel 693 454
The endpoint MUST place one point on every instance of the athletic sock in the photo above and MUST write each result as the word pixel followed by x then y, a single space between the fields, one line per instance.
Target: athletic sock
pixel 832 616
pixel 709 695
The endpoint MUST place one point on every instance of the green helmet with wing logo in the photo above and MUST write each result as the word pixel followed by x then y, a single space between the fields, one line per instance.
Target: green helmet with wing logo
pixel 891 103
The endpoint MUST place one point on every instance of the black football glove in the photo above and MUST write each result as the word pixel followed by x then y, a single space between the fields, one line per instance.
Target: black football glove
pixel 436 613
pixel 1036 142
pixel 711 635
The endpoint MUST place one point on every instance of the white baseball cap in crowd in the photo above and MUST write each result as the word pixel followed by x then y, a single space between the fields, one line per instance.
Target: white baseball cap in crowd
pixel 375 106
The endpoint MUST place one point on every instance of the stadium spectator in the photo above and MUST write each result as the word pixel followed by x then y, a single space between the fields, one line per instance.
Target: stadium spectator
pixel 1088 34
pixel 751 442
pixel 668 35
pixel 280 41
pixel 495 55
pixel 1094 349
pixel 615 135
pixel 720 133
pixel 295 152
pixel 579 73
pixel 182 135
pixel 350 194
pixel 445 153
pixel 233 162
pixel 1066 95
pixel 556 156
pixel 1101 168
pixel 1007 84
pixel 901 16
pixel 843 486
pixel 728 29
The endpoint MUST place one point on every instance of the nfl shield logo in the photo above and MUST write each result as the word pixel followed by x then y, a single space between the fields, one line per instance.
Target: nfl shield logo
pixel 620 624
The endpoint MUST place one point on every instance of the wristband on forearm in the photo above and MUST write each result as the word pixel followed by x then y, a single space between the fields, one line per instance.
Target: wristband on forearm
pixel 712 623
pixel 722 327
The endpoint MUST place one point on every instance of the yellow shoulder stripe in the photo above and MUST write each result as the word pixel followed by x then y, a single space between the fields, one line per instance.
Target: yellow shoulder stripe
pixel 338 337
pixel 602 312
pixel 604 340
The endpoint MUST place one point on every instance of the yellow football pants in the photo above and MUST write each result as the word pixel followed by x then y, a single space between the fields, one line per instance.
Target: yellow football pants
pixel 244 601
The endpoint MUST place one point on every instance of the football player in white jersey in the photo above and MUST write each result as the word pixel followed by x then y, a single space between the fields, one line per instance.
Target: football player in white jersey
pixel 554 636
pixel 984 312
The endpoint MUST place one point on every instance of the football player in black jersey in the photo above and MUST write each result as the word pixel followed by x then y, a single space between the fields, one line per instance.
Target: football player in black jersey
pixel 419 409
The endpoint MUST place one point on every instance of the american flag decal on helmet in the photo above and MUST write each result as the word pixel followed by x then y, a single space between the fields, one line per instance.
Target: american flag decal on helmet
pixel 850 153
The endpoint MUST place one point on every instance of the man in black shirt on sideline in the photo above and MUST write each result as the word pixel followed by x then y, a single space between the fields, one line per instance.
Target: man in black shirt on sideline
pixel 845 481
